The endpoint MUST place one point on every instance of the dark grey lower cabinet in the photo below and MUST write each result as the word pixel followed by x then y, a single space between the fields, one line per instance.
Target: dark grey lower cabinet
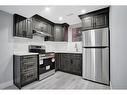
pixel 65 62
pixel 57 62
pixel 25 69
pixel 69 62
pixel 76 64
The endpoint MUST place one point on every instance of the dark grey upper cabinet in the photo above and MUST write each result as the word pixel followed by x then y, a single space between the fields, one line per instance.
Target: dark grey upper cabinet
pixel 29 28
pixel 61 32
pixel 22 26
pixel 40 25
pixel 58 33
pixel 95 19
pixel 51 32
pixel 101 20
pixel 43 25
pixel 87 22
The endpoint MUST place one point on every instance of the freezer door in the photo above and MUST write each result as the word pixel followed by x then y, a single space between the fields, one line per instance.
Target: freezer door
pixel 96 64
pixel 96 37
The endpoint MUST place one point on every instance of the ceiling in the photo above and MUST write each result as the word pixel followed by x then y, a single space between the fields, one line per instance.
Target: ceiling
pixel 68 13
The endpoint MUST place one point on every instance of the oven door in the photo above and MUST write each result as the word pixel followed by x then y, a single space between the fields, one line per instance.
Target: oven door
pixel 46 65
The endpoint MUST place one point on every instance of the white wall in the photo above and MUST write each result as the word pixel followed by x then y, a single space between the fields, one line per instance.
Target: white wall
pixel 6 49
pixel 118 27
pixel 21 44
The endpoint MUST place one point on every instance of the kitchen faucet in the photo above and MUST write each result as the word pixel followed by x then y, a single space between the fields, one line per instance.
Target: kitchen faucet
pixel 76 47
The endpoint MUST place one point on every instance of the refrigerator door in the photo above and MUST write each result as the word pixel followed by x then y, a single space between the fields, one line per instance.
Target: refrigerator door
pixel 95 38
pixel 96 64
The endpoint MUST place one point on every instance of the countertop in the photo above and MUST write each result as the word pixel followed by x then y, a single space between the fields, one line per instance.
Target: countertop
pixel 68 52
pixel 24 53
pixel 28 53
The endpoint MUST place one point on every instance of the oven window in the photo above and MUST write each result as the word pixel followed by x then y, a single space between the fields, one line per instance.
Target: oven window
pixel 46 65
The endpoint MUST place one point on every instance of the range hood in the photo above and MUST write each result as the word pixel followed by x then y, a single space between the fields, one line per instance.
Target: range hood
pixel 41 33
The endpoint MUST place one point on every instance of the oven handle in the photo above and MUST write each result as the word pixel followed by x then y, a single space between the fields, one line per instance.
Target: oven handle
pixel 45 58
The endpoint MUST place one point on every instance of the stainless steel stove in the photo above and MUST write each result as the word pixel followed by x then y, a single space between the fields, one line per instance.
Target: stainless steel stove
pixel 46 61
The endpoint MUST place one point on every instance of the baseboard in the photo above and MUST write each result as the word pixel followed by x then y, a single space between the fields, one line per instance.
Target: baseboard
pixel 6 84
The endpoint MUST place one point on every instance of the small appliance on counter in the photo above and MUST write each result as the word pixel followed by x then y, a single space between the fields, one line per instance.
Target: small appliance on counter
pixel 46 61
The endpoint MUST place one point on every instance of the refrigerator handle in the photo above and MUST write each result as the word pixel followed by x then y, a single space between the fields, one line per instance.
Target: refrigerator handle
pixel 97 47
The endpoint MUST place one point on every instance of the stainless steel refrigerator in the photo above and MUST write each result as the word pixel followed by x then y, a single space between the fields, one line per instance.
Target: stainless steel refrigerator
pixel 96 55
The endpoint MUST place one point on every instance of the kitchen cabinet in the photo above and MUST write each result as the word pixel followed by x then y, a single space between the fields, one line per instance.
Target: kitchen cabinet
pixel 65 62
pixel 61 32
pixel 58 33
pixel 43 25
pixel 69 62
pixel 95 19
pixel 51 32
pixel 22 26
pixel 57 61
pixel 40 25
pixel 25 69
pixel 87 22
pixel 29 33
pixel 76 34
pixel 76 64
pixel 101 20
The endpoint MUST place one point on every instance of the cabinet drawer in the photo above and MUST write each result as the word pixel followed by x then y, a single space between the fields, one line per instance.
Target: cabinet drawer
pixel 28 66
pixel 28 70
pixel 28 76
pixel 28 59
pixel 29 56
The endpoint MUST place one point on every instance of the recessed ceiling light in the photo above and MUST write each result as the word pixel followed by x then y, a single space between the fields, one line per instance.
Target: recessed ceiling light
pixel 83 11
pixel 47 9
pixel 60 18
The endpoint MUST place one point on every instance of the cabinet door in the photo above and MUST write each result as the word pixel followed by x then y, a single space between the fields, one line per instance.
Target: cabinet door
pixel 24 28
pixel 29 28
pixel 36 24
pixel 87 22
pixel 58 33
pixel 44 27
pixel 76 64
pixel 58 61
pixel 49 29
pixel 101 20
pixel 65 61
pixel 20 26
pixel 20 33
pixel 72 65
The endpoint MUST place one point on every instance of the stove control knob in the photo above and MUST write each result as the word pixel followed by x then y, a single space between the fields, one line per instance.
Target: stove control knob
pixel 53 59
